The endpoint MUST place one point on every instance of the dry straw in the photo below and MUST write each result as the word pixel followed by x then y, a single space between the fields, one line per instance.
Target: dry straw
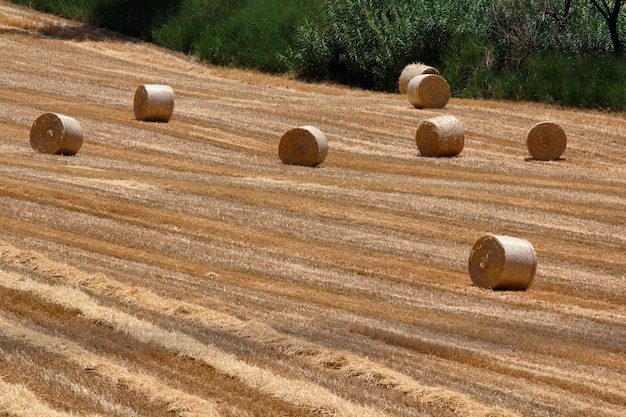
pixel 546 141
pixel 304 145
pixel 502 263
pixel 154 103
pixel 411 71
pixel 428 91
pixel 440 136
pixel 56 134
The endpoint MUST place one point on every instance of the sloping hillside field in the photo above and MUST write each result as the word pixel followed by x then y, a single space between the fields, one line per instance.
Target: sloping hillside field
pixel 181 269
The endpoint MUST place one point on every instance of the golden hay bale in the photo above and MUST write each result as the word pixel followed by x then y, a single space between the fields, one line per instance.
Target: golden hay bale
pixel 428 91
pixel 304 145
pixel 546 141
pixel 502 263
pixel 440 136
pixel 56 134
pixel 411 71
pixel 154 103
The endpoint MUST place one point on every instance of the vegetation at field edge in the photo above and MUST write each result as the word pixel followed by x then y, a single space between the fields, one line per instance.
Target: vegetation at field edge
pixel 552 51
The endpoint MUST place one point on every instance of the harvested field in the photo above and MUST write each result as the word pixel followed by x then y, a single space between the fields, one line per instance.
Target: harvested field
pixel 181 269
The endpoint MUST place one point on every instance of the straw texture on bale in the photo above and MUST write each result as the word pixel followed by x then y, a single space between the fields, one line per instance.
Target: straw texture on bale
pixel 304 145
pixel 54 133
pixel 546 141
pixel 154 103
pixel 502 263
pixel 411 71
pixel 428 91
pixel 440 136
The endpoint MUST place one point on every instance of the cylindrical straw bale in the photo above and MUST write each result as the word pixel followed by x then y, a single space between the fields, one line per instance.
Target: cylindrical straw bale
pixel 56 134
pixel 304 145
pixel 428 91
pixel 546 141
pixel 411 71
pixel 502 263
pixel 440 136
pixel 154 103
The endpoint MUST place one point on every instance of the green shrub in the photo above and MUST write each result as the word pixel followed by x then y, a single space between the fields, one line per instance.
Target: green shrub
pixel 133 17
pixel 309 56
pixel 226 32
pixel 72 9
pixel 588 81
pixel 368 42
pixel 183 30
pixel 255 34
pixel 465 64
pixel 130 17
pixel 592 81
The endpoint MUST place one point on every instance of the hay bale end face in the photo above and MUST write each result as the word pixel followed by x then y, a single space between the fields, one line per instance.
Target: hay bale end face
pixel 546 141
pixel 411 71
pixel 54 133
pixel 304 145
pixel 154 103
pixel 502 263
pixel 440 136
pixel 428 91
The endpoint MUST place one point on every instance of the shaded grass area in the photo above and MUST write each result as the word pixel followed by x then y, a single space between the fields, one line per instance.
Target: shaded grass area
pixel 584 80
pixel 251 34
pixel 241 33
pixel 131 17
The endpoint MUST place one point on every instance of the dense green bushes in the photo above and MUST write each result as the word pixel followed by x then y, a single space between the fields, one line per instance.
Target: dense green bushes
pixel 367 42
pixel 577 80
pixel 133 17
pixel 225 32
pixel 74 9
pixel 243 33
pixel 510 49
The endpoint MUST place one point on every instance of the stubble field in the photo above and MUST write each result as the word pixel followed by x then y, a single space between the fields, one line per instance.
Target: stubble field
pixel 181 269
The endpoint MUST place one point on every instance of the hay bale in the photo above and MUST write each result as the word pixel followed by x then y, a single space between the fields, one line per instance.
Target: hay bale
pixel 304 145
pixel 411 71
pixel 154 103
pixel 502 263
pixel 56 134
pixel 440 136
pixel 428 91
pixel 546 141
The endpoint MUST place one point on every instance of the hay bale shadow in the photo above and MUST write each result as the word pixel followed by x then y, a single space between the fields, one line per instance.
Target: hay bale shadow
pixel 531 159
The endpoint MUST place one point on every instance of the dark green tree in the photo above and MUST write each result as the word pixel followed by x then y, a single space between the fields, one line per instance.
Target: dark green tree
pixel 610 11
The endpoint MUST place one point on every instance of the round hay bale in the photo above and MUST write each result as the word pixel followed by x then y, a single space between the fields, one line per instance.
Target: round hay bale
pixel 411 71
pixel 154 103
pixel 304 145
pixel 56 134
pixel 440 136
pixel 428 91
pixel 502 263
pixel 546 141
